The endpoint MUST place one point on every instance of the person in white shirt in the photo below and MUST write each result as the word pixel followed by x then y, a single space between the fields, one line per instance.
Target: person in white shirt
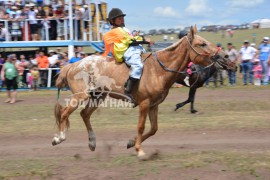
pixel 246 56
pixel 4 35
pixel 33 22
pixel 53 59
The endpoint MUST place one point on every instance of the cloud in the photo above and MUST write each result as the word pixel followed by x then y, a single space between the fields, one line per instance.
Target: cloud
pixel 198 8
pixel 244 3
pixel 166 12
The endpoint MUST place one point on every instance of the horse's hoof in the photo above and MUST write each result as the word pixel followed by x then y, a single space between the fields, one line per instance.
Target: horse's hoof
pixel 177 106
pixel 92 146
pixel 142 156
pixel 56 140
pixel 193 111
pixel 131 143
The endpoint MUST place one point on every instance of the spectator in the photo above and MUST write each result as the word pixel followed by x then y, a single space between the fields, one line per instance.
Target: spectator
pixel 75 58
pixel 233 54
pixel 33 22
pixel 39 3
pixel 43 62
pixel 59 15
pixel 35 77
pixel 59 53
pixel 246 55
pixel 9 75
pixel 85 16
pixel 22 65
pixel 64 61
pixel 32 61
pixel 2 61
pixel 77 22
pixel 41 14
pixel 4 35
pixel 16 32
pixel 53 59
pixel 217 76
pixel 257 70
pixel 53 23
pixel 264 49
pixel 82 55
pixel 55 4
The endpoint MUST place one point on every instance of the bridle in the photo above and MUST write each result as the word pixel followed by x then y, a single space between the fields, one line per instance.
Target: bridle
pixel 214 57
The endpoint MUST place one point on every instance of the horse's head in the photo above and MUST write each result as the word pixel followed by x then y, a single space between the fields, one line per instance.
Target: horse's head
pixel 205 53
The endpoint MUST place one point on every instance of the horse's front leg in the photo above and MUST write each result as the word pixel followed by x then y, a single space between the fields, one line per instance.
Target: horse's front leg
pixel 153 114
pixel 144 107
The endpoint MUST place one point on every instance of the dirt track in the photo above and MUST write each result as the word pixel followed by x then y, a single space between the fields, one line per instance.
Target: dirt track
pixel 171 148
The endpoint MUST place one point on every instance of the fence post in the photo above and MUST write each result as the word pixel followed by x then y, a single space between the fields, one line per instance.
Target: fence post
pixel 49 78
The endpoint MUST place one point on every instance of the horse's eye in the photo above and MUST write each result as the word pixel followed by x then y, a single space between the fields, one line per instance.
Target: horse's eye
pixel 203 45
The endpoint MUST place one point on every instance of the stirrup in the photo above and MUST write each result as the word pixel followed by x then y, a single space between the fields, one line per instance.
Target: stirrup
pixel 131 99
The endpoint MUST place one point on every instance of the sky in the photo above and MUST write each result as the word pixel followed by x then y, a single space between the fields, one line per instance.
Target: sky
pixel 164 14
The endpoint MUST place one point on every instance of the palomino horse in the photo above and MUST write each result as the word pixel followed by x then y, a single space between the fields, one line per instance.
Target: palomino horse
pixel 197 80
pixel 159 74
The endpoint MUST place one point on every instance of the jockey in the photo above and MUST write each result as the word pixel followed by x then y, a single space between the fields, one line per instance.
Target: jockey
pixel 125 48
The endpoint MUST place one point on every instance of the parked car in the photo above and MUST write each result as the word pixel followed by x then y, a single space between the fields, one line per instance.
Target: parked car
pixel 142 33
pixel 152 32
pixel 160 45
pixel 170 31
pixel 177 31
pixel 203 28
pixel 161 31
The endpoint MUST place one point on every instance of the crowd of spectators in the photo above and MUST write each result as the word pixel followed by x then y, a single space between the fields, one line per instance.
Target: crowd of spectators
pixel 40 18
pixel 40 61
pixel 253 62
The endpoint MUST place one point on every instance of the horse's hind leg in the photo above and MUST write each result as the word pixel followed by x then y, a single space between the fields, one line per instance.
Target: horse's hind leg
pixel 86 114
pixel 63 121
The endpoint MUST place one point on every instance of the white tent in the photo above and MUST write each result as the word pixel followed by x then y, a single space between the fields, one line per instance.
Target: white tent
pixel 261 23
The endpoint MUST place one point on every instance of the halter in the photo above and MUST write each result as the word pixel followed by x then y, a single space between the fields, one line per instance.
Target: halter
pixel 208 55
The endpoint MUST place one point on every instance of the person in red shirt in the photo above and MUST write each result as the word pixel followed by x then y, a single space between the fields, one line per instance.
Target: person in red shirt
pixel 43 64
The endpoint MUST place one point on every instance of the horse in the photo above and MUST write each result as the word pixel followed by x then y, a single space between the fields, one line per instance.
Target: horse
pixel 159 74
pixel 197 79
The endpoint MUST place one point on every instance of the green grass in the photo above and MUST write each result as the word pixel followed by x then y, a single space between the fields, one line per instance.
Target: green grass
pixel 219 113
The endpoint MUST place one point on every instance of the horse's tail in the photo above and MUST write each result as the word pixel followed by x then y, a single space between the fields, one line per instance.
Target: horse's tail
pixel 62 80
pixel 58 112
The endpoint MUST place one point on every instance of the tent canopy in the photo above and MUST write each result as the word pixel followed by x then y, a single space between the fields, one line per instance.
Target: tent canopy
pixel 261 23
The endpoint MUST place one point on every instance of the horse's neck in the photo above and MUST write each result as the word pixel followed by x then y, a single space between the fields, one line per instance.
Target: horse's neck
pixel 175 57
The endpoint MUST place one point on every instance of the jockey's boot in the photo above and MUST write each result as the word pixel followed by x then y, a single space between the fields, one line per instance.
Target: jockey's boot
pixel 129 87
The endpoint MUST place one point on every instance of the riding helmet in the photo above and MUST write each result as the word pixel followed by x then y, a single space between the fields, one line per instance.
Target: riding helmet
pixel 114 13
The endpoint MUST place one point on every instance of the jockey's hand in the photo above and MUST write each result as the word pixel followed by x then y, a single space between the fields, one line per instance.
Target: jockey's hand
pixel 149 40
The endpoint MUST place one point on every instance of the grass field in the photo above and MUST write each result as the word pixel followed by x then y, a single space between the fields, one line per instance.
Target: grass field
pixel 237 39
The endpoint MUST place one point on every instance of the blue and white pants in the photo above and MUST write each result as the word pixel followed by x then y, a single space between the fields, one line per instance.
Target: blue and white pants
pixel 133 58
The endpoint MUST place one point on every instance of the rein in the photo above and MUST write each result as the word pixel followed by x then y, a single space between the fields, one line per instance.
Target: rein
pixel 175 71
pixel 184 72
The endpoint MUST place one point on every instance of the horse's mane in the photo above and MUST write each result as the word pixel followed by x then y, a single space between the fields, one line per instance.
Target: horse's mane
pixel 173 46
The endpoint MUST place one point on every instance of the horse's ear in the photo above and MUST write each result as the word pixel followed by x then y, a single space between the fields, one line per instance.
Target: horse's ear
pixel 191 33
pixel 195 29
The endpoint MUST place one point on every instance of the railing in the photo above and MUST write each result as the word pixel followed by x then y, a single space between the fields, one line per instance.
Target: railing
pixel 23 27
